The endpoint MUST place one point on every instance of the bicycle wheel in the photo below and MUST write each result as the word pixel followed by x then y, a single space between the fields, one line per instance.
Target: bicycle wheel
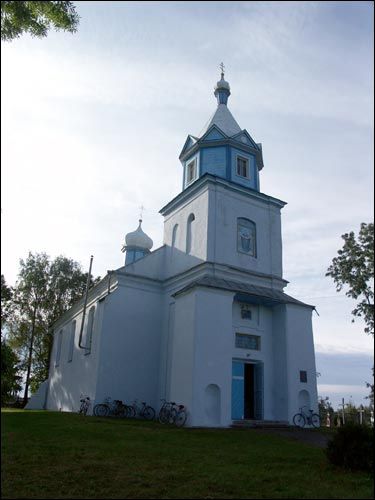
pixel 122 411
pixel 101 410
pixel 315 420
pixel 149 413
pixel 299 420
pixel 163 416
pixel 180 418
pixel 131 413
pixel 172 416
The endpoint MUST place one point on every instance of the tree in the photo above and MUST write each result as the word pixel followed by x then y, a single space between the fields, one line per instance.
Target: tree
pixel 354 268
pixel 325 409
pixel 370 386
pixel 43 292
pixel 6 302
pixel 10 378
pixel 36 18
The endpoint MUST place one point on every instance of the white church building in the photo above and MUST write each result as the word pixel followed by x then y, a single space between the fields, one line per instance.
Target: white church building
pixel 203 320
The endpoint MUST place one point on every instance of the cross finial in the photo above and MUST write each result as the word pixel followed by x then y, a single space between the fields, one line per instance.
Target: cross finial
pixel 222 67
pixel 141 208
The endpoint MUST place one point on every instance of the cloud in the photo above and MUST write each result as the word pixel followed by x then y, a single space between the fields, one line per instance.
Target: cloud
pixel 94 123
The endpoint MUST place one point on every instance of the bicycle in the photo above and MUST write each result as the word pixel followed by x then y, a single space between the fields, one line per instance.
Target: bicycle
pixel 178 415
pixel 145 411
pixel 303 418
pixel 164 411
pixel 112 407
pixel 172 413
pixel 85 404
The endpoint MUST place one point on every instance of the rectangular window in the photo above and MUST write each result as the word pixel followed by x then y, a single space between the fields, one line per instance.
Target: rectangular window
pixel 244 341
pixel 242 167
pixel 58 351
pixel 303 376
pixel 191 171
pixel 71 341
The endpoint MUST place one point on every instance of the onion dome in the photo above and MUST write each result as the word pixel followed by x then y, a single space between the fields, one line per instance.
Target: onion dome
pixel 222 90
pixel 138 239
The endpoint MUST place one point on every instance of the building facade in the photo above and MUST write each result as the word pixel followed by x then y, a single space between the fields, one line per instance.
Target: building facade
pixel 203 320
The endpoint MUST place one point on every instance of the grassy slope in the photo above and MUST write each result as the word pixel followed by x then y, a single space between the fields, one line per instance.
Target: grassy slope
pixel 60 455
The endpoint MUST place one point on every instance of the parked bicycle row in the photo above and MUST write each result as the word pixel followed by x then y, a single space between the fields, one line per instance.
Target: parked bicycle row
pixel 169 413
pixel 116 408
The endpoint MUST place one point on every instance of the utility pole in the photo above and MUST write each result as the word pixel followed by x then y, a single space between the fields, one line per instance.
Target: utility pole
pixel 343 412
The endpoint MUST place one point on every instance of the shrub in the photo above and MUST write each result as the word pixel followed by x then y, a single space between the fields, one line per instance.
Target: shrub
pixel 352 447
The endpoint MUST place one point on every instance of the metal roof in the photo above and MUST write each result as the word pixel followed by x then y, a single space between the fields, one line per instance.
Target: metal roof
pixel 223 119
pixel 244 291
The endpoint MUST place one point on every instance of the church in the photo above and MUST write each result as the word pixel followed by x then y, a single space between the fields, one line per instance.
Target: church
pixel 203 320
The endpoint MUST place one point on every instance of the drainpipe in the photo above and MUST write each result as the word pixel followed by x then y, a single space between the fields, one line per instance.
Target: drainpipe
pixel 84 306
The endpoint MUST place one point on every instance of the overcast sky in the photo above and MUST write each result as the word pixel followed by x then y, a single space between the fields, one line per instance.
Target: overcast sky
pixel 93 124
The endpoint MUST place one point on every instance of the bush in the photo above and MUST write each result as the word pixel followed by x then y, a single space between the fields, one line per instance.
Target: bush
pixel 352 447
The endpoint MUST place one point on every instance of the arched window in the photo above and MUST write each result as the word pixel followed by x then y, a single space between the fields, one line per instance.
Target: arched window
pixel 71 340
pixel 58 349
pixel 90 327
pixel 174 235
pixel 246 237
pixel 189 233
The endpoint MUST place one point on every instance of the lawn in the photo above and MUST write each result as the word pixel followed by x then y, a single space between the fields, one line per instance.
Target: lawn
pixel 64 455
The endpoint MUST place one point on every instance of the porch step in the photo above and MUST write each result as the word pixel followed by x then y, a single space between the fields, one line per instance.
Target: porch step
pixel 269 424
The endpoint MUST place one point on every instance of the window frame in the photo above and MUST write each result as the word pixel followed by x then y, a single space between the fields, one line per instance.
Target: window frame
pixel 247 166
pixel 90 329
pixel 188 165
pixel 252 226
pixel 189 233
pixel 72 337
pixel 249 336
pixel 59 347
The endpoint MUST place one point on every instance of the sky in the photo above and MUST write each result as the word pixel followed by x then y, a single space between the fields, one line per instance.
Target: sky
pixel 93 124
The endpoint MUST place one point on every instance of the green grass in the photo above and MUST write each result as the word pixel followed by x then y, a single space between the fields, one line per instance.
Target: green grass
pixel 62 455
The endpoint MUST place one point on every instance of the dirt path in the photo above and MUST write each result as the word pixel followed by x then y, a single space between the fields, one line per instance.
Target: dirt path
pixel 313 437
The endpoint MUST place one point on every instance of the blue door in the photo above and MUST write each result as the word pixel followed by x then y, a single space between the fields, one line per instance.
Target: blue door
pixel 258 391
pixel 238 387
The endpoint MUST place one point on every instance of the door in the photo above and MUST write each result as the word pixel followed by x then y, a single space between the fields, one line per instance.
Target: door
pixel 238 385
pixel 258 391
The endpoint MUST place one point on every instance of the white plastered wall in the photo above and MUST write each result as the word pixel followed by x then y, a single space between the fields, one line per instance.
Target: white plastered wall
pixel 225 207
pixel 300 355
pixel 130 348
pixel 71 379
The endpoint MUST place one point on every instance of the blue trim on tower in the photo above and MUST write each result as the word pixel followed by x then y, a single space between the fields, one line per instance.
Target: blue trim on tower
pixel 229 164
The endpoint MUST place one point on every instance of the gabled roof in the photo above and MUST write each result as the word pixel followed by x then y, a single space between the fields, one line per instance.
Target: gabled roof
pixel 224 120
pixel 245 134
pixel 190 141
pixel 214 133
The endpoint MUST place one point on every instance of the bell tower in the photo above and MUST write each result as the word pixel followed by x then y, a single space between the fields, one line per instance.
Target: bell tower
pixel 221 216
pixel 222 148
